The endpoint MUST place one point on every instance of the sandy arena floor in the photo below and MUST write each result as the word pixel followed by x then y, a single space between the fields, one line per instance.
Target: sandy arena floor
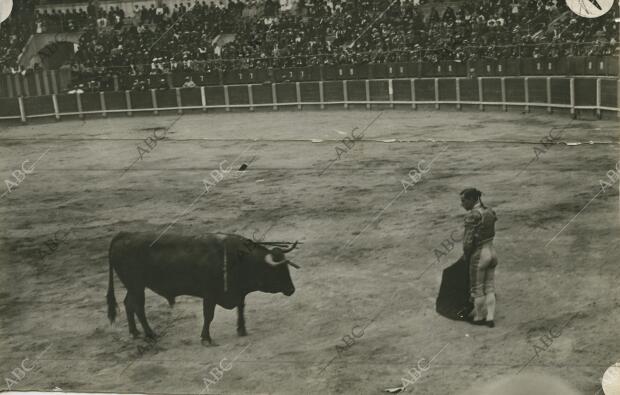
pixel 367 257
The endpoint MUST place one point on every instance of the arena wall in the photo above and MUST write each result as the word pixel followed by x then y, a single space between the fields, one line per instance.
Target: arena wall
pixel 572 94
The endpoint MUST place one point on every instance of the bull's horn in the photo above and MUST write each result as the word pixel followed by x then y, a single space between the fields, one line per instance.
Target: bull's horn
pixel 270 261
pixel 291 248
pixel 293 264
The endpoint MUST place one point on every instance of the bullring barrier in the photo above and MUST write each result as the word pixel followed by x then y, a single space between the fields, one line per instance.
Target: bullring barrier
pixel 571 93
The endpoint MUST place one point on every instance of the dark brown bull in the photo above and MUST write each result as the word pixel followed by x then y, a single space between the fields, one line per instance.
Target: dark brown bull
pixel 219 268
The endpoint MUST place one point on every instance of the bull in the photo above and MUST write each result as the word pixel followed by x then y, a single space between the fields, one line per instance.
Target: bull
pixel 219 268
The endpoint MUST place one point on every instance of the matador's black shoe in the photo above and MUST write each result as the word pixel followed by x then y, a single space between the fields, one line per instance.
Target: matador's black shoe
pixel 483 322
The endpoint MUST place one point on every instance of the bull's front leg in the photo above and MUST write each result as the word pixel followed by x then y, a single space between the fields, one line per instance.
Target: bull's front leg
pixel 208 312
pixel 241 319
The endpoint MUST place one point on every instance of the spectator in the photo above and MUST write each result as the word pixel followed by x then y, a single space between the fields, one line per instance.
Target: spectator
pixel 189 83
pixel 163 84
pixel 77 89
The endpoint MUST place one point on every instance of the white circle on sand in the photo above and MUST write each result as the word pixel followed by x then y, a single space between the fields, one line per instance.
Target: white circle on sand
pixel 611 380
pixel 590 8
pixel 5 9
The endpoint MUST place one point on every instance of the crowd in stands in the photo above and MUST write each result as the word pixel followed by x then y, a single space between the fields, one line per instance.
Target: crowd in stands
pixel 341 31
pixel 158 39
pixel 61 21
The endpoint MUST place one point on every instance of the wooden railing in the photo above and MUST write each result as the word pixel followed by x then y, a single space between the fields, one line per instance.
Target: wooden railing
pixel 571 93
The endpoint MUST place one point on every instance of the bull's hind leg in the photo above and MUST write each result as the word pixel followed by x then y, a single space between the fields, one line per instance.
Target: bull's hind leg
pixel 208 311
pixel 241 319
pixel 131 319
pixel 138 297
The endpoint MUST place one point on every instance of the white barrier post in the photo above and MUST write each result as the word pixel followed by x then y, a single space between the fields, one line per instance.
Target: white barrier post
pixel 154 101
pixel 367 85
pixel 572 97
pixel 436 85
pixel 503 82
pixel 480 95
pixel 179 101
pixel 78 98
pixel 598 98
pixel 298 94
pixel 274 96
pixel 226 98
pixel 458 93
pixel 549 95
pixel 526 90
pixel 22 110
pixel 102 103
pixel 321 95
pixel 345 94
pixel 128 102
pixel 250 97
pixel 55 103
pixel 413 104
pixel 391 92
pixel 203 98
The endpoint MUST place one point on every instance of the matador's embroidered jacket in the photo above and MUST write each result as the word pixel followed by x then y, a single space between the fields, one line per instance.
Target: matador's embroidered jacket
pixel 479 228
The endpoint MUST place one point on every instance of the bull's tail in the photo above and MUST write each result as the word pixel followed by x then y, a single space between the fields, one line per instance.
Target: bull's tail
pixel 112 306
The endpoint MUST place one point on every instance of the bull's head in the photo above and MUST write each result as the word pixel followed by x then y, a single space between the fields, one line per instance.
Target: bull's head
pixel 279 278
